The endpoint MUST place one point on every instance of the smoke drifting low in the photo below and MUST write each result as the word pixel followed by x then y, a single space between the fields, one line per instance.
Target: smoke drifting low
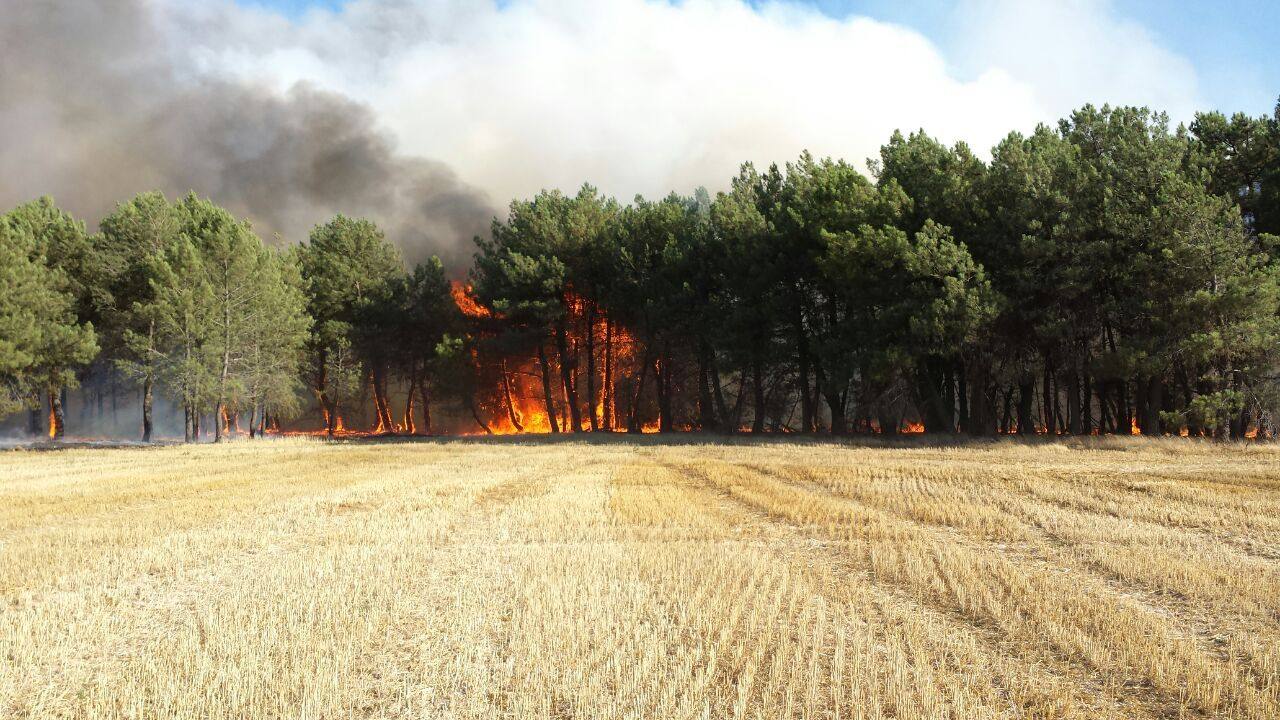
pixel 97 104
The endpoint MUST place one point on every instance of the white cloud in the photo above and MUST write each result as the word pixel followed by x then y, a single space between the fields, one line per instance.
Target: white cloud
pixel 647 96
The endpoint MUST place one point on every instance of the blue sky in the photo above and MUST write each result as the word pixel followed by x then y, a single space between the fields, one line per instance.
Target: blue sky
pixel 1232 44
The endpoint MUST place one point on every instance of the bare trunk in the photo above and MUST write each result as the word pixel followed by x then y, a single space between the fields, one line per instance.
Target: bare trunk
pixel 609 404
pixel 225 373
pixel 633 421
pixel 425 395
pixel 729 422
pixel 1026 393
pixel 1047 396
pixel 567 363
pixel 410 423
pixel 56 426
pixel 591 368
pixel 512 414
pixel 757 383
pixel 471 405
pixel 148 386
pixel 546 388
pixel 802 366
pixel 706 409
pixel 662 375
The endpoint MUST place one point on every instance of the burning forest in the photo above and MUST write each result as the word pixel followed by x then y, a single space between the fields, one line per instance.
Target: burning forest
pixel 805 298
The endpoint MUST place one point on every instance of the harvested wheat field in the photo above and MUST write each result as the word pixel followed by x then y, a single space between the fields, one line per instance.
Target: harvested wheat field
pixel 638 579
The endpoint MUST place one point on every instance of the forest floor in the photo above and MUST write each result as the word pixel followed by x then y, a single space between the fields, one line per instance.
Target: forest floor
pixel 296 578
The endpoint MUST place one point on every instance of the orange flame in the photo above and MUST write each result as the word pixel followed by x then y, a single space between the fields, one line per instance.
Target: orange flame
pixel 464 297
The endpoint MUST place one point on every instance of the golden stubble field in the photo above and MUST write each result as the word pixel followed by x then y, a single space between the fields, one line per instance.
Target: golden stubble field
pixel 471 579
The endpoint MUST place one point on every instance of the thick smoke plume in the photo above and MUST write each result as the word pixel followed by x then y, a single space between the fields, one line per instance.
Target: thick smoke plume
pixel 98 102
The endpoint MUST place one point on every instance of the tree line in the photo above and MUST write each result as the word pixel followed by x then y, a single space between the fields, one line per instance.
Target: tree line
pixel 1109 274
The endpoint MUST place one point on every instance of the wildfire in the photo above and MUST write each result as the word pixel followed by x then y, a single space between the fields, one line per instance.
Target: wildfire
pixel 913 428
pixel 53 425
pixel 512 392
pixel 464 297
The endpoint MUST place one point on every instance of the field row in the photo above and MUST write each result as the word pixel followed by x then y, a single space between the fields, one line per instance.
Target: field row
pixel 1117 579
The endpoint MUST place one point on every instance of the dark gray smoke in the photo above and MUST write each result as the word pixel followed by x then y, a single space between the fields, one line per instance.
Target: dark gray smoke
pixel 96 106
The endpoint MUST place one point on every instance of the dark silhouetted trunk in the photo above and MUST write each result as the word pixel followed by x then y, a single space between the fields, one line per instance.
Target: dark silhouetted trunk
pixel 1086 410
pixel 706 404
pixel 757 386
pixel 807 413
pixel 546 388
pixel 592 414
pixel 729 421
pixel 633 420
pixel 424 394
pixel 609 398
pixel 567 363
pixel 936 418
pixel 1075 426
pixel 56 427
pixel 1026 392
pixel 471 405
pixel 512 415
pixel 410 423
pixel 662 376
pixel 148 393
pixel 1049 397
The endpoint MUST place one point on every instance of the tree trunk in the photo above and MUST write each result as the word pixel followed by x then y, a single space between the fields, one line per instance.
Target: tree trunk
pixel 381 403
pixel 512 415
pixel 424 394
pixel 981 395
pixel 1074 424
pixel 633 419
pixel 1026 391
pixel 609 404
pixel 471 405
pixel 188 431
pixel 706 407
pixel 802 366
pixel 546 388
pixel 947 399
pixel 410 423
pixel 662 375
pixel 1149 396
pixel 567 362
pixel 835 398
pixel 835 404
pixel 889 421
pixel 591 368
pixel 36 424
pixel 1086 395
pixel 729 423
pixel 757 385
pixel 55 415
pixel 220 411
pixel 1047 397
pixel 930 404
